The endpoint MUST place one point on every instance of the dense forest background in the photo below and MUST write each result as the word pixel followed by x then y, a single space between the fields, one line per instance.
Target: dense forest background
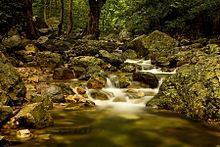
pixel 189 17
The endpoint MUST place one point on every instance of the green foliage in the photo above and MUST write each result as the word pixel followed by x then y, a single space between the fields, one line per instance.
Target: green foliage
pixel 173 16
pixel 10 14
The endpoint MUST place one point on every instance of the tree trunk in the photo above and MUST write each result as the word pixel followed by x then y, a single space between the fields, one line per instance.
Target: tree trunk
pixel 45 10
pixel 50 12
pixel 70 24
pixel 94 15
pixel 31 30
pixel 55 7
pixel 60 26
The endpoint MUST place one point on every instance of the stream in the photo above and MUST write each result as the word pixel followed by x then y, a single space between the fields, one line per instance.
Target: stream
pixel 127 123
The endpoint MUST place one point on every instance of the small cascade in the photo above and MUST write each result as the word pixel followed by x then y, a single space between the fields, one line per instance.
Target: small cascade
pixel 125 98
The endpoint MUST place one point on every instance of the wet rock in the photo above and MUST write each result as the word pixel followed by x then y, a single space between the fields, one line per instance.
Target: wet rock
pixel 114 59
pixel 6 112
pixel 55 93
pixel 193 91
pixel 48 59
pixel 96 82
pixel 24 134
pixel 147 78
pixel 120 99
pixel 33 116
pixel 12 89
pixel 77 98
pixel 128 67
pixel 80 90
pixel 124 80
pixel 135 94
pixel 63 73
pixel 99 95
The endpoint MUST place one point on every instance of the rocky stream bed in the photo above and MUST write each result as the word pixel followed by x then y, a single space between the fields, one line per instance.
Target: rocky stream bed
pixel 62 91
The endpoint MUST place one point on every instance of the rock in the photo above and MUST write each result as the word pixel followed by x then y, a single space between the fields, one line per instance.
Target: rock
pixel 135 94
pixel 193 91
pixel 212 49
pixel 46 101
pixel 12 89
pixel 96 82
pixel 77 98
pixel 12 42
pixel 63 73
pixel 125 35
pixel 48 59
pixel 39 22
pixel 137 45
pixel 55 93
pixel 99 95
pixel 129 54
pixel 114 59
pixel 120 99
pixel 24 135
pixel 33 116
pixel 128 67
pixel 42 39
pixel 6 112
pixel 80 90
pixel 91 47
pixel 124 80
pixel 147 78
pixel 158 41
pixel 85 66
pixel 4 142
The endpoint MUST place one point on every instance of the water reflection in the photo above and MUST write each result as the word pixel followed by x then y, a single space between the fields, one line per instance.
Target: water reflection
pixel 109 128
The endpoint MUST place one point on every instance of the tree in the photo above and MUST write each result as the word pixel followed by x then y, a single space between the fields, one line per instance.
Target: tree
pixel 70 23
pixel 59 32
pixel 30 30
pixel 95 7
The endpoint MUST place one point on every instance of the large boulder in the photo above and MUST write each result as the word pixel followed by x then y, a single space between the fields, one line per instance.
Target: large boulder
pixel 33 116
pixel 12 89
pixel 85 66
pixel 114 59
pixel 147 78
pixel 48 59
pixel 193 91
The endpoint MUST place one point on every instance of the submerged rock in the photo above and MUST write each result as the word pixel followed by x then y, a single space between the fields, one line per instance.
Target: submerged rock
pixel 33 116
pixel 193 91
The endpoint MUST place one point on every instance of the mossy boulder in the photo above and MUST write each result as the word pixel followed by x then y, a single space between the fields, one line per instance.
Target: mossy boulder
pixel 193 91
pixel 48 59
pixel 33 116
pixel 12 89
pixel 114 59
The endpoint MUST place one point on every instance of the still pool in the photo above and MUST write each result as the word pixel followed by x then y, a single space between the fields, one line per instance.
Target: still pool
pixel 133 127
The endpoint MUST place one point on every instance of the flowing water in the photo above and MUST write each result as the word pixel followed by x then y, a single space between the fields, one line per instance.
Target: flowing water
pixel 124 124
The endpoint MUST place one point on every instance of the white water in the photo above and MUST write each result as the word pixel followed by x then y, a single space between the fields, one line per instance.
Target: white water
pixel 128 103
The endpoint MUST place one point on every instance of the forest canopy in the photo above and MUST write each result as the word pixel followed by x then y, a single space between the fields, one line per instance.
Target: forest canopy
pixel 197 17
